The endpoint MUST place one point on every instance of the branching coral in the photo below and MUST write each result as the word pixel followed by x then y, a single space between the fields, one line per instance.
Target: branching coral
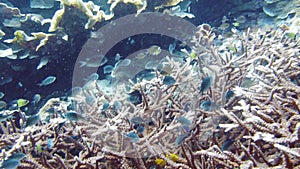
pixel 251 121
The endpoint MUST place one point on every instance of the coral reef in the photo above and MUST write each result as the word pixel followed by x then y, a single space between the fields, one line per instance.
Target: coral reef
pixel 230 103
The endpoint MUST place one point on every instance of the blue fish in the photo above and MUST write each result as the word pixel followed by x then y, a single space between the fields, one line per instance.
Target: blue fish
pixel 133 137
pixel 4 117
pixel 135 97
pixel 117 105
pixel 105 106
pixel 227 144
pixel 32 120
pixel 206 105
pixel 13 161
pixel 140 129
pixel 169 80
pixel 229 94
pixel 73 116
pixel 180 139
pixel 206 84
pixel 184 121
pixel 137 120
pixel 50 143
pixel 49 80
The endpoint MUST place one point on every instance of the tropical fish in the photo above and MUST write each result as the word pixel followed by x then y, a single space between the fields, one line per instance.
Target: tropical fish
pixel 172 156
pixel 43 62
pixel 22 102
pixel 133 137
pixel 160 162
pixel 206 83
pixel 154 50
pixel 227 144
pixel 169 80
pixel 108 69
pixel 184 121
pixel 90 100
pixel 2 104
pixel 4 117
pixel 117 105
pixel 135 97
pixel 93 76
pixel 140 128
pixel 73 116
pixel 179 140
pixel 13 161
pixel 36 98
pixel 94 62
pixel 32 120
pixel 47 81
pixel 206 105
pixel 4 79
pixel 137 120
pixel 229 94
pixel 50 143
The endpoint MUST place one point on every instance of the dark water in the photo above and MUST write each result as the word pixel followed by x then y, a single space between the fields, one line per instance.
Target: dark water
pixel 62 56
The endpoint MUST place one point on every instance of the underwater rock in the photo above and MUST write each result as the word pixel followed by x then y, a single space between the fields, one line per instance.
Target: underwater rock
pixel 41 4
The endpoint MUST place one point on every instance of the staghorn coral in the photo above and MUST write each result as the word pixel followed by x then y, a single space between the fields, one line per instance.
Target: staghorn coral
pixel 256 126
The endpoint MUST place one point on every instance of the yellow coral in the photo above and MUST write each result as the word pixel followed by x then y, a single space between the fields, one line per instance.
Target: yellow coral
pixel 56 19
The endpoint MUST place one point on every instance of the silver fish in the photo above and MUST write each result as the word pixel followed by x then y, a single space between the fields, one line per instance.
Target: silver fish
pixel 49 80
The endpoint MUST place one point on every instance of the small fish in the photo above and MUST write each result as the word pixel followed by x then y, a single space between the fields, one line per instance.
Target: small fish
pixel 172 47
pixel 13 161
pixel 50 143
pixel 22 102
pixel 206 105
pixel 133 137
pixel 5 117
pixel 184 121
pixel 39 148
pixel 229 94
pixel 73 116
pixel 169 80
pixel 32 120
pixel 137 120
pixel 135 97
pixel 160 162
pixel 179 140
pixel 154 50
pixel 47 81
pixel 117 105
pixel 93 76
pixel 227 144
pixel 2 104
pixel 140 129
pixel 94 62
pixel 36 99
pixel 105 106
pixel 90 100
pixel 206 83
pixel 173 157
pixel 108 69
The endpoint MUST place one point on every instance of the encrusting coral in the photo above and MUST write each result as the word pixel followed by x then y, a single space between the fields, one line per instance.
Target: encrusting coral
pixel 245 116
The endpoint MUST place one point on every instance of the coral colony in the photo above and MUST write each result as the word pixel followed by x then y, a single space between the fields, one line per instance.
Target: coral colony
pixel 228 102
